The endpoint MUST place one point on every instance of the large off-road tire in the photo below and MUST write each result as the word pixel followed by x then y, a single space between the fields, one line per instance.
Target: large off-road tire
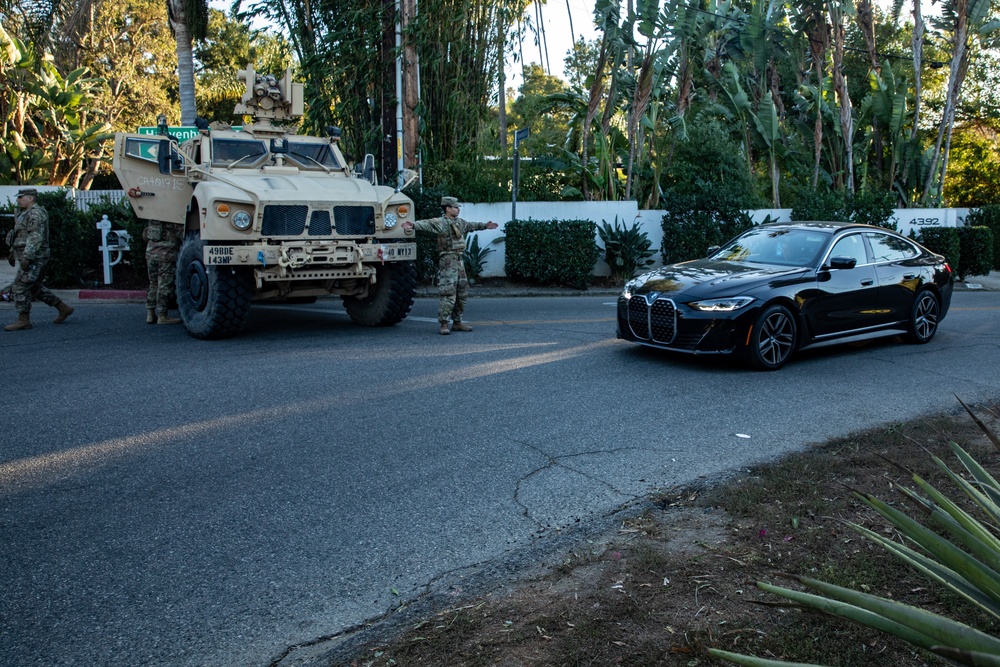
pixel 773 339
pixel 214 301
pixel 924 316
pixel 391 297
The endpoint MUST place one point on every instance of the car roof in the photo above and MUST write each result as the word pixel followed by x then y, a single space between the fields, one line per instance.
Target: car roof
pixel 829 225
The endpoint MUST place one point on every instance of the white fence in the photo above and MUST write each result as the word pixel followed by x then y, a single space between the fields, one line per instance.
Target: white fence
pixel 626 212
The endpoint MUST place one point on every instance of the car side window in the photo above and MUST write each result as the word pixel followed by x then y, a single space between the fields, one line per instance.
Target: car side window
pixel 851 245
pixel 890 248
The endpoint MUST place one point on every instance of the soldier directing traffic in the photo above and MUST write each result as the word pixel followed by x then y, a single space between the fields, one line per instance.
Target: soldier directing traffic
pixel 453 284
pixel 163 243
pixel 30 242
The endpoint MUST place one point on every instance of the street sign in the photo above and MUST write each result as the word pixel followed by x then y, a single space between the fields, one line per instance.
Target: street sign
pixel 521 135
pixel 179 132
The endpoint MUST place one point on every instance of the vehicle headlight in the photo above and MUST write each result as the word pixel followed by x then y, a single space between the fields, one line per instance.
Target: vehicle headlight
pixel 242 221
pixel 629 287
pixel 722 305
pixel 390 220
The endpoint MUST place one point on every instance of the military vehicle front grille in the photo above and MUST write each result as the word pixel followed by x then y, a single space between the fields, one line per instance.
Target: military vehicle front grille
pixel 319 223
pixel 656 322
pixel 284 220
pixel 354 220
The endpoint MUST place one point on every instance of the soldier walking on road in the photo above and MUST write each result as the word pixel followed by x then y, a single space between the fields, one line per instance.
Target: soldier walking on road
pixel 30 243
pixel 163 243
pixel 453 284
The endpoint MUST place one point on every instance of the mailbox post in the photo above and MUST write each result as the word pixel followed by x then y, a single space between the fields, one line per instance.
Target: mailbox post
pixel 112 242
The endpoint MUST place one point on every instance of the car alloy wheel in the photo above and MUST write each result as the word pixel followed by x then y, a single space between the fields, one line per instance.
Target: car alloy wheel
pixel 773 339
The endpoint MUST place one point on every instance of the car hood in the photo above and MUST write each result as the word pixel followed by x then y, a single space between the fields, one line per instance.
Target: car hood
pixel 285 188
pixel 702 278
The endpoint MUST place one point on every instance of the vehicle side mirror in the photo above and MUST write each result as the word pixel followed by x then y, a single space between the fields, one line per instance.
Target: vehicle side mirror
pixel 167 158
pixel 712 250
pixel 843 263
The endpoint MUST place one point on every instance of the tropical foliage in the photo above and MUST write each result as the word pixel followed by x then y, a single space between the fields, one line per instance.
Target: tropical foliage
pixel 956 546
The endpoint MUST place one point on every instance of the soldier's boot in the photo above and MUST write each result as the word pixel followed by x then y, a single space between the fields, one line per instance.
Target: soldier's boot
pixel 64 312
pixel 444 329
pixel 23 322
pixel 164 318
pixel 150 316
pixel 459 326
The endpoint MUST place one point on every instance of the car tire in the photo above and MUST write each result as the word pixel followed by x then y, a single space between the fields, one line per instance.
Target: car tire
pixel 390 300
pixel 773 338
pixel 214 301
pixel 924 316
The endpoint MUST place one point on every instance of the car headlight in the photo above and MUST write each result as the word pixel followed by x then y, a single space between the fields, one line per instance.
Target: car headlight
pixel 242 221
pixel 390 220
pixel 722 305
pixel 629 287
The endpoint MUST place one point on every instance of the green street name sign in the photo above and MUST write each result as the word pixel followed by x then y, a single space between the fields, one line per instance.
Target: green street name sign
pixel 179 132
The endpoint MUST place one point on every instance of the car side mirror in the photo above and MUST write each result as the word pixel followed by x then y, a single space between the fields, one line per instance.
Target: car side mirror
pixel 712 250
pixel 167 158
pixel 843 263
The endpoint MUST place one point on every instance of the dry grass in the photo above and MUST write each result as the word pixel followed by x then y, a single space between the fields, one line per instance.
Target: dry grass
pixel 681 577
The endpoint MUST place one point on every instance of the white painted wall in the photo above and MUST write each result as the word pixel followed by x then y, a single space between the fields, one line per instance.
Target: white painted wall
pixel 626 212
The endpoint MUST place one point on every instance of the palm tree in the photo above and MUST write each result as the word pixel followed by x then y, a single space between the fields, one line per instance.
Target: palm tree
pixel 189 21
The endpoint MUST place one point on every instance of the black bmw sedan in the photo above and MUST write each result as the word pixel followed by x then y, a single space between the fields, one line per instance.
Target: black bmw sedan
pixel 781 287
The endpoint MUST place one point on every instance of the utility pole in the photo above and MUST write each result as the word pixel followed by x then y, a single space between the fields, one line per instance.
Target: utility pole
pixel 411 89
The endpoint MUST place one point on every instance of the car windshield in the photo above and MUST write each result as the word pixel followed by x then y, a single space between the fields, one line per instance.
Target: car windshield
pixel 230 151
pixel 781 246
pixel 312 155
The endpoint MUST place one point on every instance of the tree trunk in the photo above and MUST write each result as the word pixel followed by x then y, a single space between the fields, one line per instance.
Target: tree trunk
pixel 840 86
pixel 411 97
pixel 185 61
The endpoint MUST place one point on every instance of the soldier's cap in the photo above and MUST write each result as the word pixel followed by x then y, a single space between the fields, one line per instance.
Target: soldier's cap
pixel 27 191
pixel 449 201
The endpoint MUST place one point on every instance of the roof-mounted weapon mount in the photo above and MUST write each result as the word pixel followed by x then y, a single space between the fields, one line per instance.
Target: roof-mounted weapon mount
pixel 269 98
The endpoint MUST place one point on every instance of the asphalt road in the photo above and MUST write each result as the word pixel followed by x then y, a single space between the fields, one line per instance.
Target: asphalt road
pixel 168 501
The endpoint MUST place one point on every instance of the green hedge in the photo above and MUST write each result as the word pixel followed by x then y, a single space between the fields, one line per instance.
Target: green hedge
pixel 551 252
pixel 976 251
pixel 866 207
pixel 943 241
pixel 988 216
pixel 689 232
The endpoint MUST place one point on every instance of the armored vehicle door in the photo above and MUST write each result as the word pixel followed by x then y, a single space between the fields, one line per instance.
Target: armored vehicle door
pixel 157 186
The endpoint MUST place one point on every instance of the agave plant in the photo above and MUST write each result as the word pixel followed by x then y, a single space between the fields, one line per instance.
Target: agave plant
pixel 626 249
pixel 961 553
pixel 474 257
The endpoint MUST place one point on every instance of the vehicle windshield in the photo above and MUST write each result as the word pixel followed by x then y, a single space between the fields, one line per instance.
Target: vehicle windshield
pixel 230 151
pixel 784 247
pixel 312 154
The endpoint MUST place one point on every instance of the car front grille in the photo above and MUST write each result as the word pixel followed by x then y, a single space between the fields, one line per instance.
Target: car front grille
pixel 282 220
pixel 656 322
pixel 354 220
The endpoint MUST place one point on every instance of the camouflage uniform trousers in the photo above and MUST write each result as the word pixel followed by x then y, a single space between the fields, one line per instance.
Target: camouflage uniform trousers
pixel 453 286
pixel 161 265
pixel 28 285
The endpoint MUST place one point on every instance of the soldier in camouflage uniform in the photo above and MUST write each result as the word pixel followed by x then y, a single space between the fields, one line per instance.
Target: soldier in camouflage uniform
pixel 163 243
pixel 30 243
pixel 453 284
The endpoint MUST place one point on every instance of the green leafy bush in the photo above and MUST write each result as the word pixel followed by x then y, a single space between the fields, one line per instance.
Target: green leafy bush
pixel 866 207
pixel 427 256
pixel 976 251
pixel 626 249
pixel 988 216
pixel 943 241
pixel 689 229
pixel 73 241
pixel 551 252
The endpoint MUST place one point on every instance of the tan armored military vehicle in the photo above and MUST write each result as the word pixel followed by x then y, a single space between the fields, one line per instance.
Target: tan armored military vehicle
pixel 271 215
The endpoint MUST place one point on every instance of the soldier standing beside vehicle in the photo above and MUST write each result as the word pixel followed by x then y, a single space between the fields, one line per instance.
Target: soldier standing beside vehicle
pixel 29 241
pixel 163 243
pixel 453 284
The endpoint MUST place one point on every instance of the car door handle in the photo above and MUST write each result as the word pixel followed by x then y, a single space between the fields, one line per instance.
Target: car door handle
pixel 867 283
pixel 909 276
